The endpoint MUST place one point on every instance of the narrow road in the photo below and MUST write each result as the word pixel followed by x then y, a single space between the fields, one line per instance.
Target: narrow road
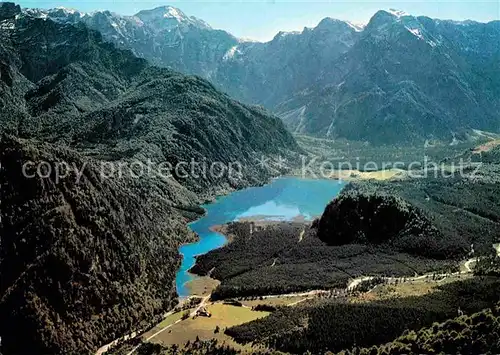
pixel 354 283
pixel 301 236
pixel 297 294
pixel 308 295
pixel 154 335
pixel 467 264
pixel 202 304
pixel 497 248
pixel 192 314
pixel 299 301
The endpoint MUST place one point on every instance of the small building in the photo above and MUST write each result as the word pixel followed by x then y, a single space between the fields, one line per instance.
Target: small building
pixel 203 312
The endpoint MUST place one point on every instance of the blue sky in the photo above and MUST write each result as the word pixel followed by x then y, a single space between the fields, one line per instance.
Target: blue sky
pixel 262 19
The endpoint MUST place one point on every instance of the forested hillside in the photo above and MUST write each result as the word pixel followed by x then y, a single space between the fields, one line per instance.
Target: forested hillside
pixel 90 256
pixel 431 217
pixel 277 260
pixel 334 325
pixel 79 257
pixel 477 333
pixel 90 95
pixel 89 253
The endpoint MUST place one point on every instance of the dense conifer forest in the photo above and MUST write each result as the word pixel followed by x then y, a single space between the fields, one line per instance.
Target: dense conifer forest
pixel 335 325
pixel 271 260
pixel 478 333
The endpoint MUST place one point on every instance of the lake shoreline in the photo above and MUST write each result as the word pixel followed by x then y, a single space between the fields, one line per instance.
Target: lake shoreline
pixel 284 198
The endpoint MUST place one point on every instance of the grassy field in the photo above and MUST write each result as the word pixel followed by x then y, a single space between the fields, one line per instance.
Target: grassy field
pixel 202 286
pixel 353 175
pixel 223 316
pixel 487 146
pixel 171 319
pixel 406 289
pixel 352 151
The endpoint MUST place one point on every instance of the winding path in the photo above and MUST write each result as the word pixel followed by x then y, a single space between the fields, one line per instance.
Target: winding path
pixel 308 295
pixel 192 314
pixel 467 264
pixel 200 306
pixel 354 283
pixel 301 236
pixel 497 248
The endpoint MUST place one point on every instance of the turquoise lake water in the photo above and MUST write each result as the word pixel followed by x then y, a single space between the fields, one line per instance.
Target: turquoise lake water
pixel 282 199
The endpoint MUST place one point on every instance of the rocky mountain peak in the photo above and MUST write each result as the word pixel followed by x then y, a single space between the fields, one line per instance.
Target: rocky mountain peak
pixel 398 13
pixel 385 18
pixel 59 14
pixel 329 23
pixel 162 12
pixel 65 10
pixel 381 18
pixel 284 34
pixel 9 10
pixel 391 52
pixel 168 15
pixel 399 24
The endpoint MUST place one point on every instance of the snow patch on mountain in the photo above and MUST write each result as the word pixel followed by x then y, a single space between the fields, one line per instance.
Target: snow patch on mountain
pixel 7 25
pixel 432 43
pixel 231 52
pixel 295 118
pixel 398 13
pixel 248 40
pixel 66 10
pixel 288 33
pixel 172 12
pixel 419 34
pixel 58 14
pixel 284 34
pixel 69 11
pixel 356 26
pixel 416 32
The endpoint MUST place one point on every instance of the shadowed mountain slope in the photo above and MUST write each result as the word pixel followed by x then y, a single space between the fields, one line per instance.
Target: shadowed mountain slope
pixel 91 256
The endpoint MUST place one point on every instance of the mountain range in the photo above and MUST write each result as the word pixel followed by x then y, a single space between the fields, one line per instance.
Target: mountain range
pixel 89 258
pixel 398 79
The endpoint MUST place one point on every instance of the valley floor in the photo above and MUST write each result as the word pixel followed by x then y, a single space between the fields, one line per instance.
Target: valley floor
pixel 174 330
pixel 186 326
pixel 274 266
